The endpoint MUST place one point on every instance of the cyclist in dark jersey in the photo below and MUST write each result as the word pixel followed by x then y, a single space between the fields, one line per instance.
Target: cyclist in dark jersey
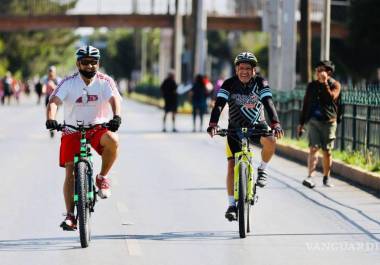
pixel 247 95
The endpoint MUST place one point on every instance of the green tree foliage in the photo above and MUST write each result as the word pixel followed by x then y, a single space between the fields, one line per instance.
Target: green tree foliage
pixel 364 36
pixel 118 57
pixel 27 53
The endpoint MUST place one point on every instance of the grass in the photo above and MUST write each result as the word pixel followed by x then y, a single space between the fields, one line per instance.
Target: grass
pixel 356 158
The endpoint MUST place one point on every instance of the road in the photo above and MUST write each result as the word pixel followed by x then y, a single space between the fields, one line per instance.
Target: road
pixel 168 203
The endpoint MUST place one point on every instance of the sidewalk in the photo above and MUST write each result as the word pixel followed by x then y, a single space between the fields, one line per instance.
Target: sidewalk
pixel 344 171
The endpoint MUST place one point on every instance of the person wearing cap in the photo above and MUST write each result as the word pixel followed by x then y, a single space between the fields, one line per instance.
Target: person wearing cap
pixel 247 95
pixel 90 97
pixel 320 113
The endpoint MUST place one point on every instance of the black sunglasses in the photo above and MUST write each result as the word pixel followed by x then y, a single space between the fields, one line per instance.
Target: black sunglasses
pixel 87 62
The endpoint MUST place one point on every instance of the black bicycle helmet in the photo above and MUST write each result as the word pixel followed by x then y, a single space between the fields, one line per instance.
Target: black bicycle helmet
pixel 87 51
pixel 246 57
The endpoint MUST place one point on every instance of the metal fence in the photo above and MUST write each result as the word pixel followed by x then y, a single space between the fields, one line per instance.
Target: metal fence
pixel 359 129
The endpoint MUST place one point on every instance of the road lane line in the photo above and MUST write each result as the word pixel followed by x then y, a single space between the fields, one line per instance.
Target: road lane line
pixel 133 247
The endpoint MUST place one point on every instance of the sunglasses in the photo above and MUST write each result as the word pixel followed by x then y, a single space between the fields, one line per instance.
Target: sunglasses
pixel 87 62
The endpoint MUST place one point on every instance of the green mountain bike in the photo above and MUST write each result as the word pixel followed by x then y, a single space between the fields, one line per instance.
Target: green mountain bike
pixel 244 180
pixel 84 189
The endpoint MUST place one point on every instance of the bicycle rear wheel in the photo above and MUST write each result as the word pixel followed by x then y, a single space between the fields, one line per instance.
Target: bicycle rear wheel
pixel 243 211
pixel 83 209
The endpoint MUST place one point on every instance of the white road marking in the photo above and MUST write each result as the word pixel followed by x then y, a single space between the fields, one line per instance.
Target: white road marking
pixel 133 247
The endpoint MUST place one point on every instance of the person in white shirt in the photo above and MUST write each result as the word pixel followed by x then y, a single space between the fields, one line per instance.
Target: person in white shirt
pixel 90 97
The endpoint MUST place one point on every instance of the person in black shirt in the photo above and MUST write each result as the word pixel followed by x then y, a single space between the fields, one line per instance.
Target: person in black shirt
pixel 199 100
pixel 247 95
pixel 169 92
pixel 320 112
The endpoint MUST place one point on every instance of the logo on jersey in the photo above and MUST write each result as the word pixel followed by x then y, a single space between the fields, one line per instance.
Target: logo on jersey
pixel 89 98
pixel 250 105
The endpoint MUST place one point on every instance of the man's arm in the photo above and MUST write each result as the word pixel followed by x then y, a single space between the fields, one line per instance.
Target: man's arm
pixel 332 89
pixel 217 110
pixel 115 105
pixel 271 110
pixel 52 108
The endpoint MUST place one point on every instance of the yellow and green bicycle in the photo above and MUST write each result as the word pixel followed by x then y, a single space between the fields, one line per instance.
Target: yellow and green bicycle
pixel 244 180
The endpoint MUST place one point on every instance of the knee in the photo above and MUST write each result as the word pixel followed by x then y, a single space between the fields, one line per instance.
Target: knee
pixel 268 142
pixel 110 141
pixel 327 153
pixel 313 150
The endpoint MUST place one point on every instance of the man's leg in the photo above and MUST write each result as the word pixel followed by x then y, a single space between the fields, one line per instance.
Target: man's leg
pixel 173 120
pixel 110 143
pixel 231 213
pixel 164 121
pixel 311 165
pixel 194 118
pixel 312 160
pixel 230 177
pixel 269 146
pixel 69 224
pixel 327 162
pixel 68 187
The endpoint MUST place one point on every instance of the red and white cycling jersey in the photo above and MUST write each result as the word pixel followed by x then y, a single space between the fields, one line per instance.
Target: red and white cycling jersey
pixel 87 103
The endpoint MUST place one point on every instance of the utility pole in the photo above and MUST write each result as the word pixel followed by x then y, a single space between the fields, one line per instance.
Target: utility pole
pixel 289 45
pixel 305 60
pixel 325 34
pixel 273 27
pixel 178 27
pixel 200 50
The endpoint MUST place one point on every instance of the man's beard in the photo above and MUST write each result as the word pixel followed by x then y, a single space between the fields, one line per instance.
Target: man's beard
pixel 88 75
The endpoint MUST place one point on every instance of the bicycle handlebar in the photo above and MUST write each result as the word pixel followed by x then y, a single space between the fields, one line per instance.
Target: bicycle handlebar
pixel 81 127
pixel 247 132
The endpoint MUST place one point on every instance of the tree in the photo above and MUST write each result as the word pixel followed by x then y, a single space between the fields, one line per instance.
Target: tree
pixel 364 37
pixel 27 53
pixel 118 56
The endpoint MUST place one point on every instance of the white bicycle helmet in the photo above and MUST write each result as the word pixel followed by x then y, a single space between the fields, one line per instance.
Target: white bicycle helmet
pixel 246 57
pixel 87 51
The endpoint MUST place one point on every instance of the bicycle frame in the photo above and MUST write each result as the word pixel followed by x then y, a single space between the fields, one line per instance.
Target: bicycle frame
pixel 244 156
pixel 85 156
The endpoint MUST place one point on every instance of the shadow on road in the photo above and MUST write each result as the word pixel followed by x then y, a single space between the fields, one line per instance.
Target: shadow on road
pixel 338 212
pixel 40 244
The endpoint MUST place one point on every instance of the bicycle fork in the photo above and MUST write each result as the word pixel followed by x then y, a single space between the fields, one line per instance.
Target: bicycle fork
pixel 90 182
pixel 241 158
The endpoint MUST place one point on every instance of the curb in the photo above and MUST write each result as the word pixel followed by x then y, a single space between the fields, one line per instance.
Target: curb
pixel 345 172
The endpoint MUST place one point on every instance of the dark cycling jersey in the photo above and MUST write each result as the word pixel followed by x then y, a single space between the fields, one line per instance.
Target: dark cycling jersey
pixel 246 102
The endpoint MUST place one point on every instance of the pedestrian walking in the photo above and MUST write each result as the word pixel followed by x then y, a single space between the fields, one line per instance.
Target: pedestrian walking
pixel 169 93
pixel 320 113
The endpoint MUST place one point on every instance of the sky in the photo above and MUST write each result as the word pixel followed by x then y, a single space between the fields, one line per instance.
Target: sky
pixel 144 6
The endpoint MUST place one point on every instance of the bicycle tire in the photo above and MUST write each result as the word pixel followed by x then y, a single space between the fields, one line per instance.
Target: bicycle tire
pixel 83 209
pixel 242 203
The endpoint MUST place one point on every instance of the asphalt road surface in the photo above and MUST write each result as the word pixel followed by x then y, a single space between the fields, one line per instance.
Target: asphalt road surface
pixel 168 203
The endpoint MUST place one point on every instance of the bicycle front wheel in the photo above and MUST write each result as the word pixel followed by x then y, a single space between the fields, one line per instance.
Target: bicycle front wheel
pixel 83 209
pixel 242 202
